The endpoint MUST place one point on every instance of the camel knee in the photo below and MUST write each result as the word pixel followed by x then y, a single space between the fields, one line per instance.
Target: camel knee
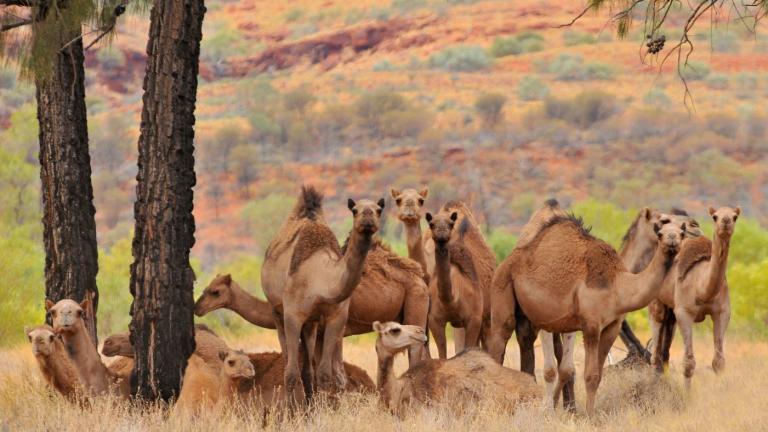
pixel 718 363
pixel 592 382
pixel 566 374
pixel 689 365
pixel 550 374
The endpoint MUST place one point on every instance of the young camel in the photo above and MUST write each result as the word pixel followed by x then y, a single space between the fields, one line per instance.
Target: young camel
pixel 565 280
pixel 467 378
pixel 67 316
pixel 457 297
pixel 421 248
pixel 700 289
pixel 54 362
pixel 307 280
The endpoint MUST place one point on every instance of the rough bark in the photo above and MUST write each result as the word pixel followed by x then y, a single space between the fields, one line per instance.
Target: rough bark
pixel 162 330
pixel 69 227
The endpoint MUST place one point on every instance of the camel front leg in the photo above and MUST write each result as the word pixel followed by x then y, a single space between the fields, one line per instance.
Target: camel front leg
pixel 565 373
pixel 526 335
pixel 720 324
pixel 550 368
pixel 459 339
pixel 685 323
pixel 438 332
pixel 280 327
pixel 308 339
pixel 472 334
pixel 334 334
pixel 291 377
pixel 592 367
pixel 656 342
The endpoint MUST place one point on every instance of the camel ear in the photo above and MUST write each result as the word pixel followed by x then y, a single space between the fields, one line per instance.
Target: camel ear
pixel 428 217
pixel 381 203
pixel 377 326
pixel 424 192
pixel 394 193
pixel 222 355
pixel 656 227
pixel 712 211
pixel 647 213
pixel 227 279
pixel 85 304
pixel 737 210
pixel 351 204
pixel 454 216
pixel 49 304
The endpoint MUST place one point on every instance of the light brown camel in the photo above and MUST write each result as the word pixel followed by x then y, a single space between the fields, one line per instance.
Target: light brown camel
pixel 700 289
pixel 67 316
pixel 455 288
pixel 200 388
pixel 565 280
pixel 307 280
pixel 54 362
pixel 409 203
pixel 236 381
pixel 465 379
pixel 207 345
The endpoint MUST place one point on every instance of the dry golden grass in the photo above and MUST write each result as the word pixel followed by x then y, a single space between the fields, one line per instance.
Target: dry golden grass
pixel 628 400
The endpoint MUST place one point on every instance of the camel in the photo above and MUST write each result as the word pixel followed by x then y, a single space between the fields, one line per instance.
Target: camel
pixel 700 288
pixel 207 345
pixel 455 285
pixel 67 316
pixel 237 378
pixel 225 293
pixel 54 362
pixel 200 389
pixel 467 378
pixel 307 279
pixel 421 248
pixel 565 280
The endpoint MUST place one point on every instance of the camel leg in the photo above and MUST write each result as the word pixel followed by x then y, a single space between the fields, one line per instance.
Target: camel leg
pixel 592 367
pixel 667 334
pixel 634 347
pixel 472 334
pixel 293 325
pixel 685 322
pixel 526 334
pixel 416 312
pixel 566 371
pixel 459 339
pixel 550 368
pixel 334 333
pixel 280 327
pixel 720 322
pixel 438 331
pixel 308 341
pixel 656 342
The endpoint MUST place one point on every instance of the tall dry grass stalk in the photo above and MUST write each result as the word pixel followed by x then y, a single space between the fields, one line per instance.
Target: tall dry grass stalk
pixel 627 400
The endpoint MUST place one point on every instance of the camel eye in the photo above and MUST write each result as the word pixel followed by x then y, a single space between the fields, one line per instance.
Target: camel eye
pixel 664 221
pixel 50 338
pixel 395 331
pixel 695 224
pixel 231 362
pixel 399 201
pixel 735 217
pixel 215 293
pixel 714 218
pixel 79 313
pixel 421 201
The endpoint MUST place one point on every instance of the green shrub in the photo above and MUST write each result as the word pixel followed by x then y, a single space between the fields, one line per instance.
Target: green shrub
pixel 406 123
pixel 490 107
pixel 383 66
pixel 298 100
pixel 571 67
pixel 262 218
pixel 294 15
pixel 656 97
pixel 502 243
pixel 721 40
pixel 573 37
pixel 513 45
pixel 583 110
pixel 462 58
pixel 695 71
pixel 717 81
pixel 223 43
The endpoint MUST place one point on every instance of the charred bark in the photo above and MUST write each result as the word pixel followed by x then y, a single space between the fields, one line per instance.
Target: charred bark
pixel 162 330
pixel 69 227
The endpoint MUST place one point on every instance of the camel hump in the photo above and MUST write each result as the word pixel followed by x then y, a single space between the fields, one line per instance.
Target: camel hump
pixel 313 237
pixel 694 251
pixel 310 203
pixel 381 259
pixel 461 257
pixel 205 328
pixel 603 264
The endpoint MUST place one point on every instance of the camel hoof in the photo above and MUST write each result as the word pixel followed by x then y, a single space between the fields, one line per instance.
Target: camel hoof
pixel 718 365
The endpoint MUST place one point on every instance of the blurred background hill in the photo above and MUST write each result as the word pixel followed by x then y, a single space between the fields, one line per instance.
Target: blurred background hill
pixel 486 101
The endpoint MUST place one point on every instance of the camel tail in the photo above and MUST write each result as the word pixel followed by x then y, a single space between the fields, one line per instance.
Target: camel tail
pixel 310 203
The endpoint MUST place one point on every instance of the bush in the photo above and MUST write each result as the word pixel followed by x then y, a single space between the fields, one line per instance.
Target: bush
pixel 490 107
pixel 463 58
pixel 383 66
pixel 406 123
pixel 298 100
pixel 571 67
pixel 267 215
pixel 721 41
pixel 531 88
pixel 573 37
pixel 717 81
pixel 223 43
pixel 372 108
pixel 525 42
pixel 695 71
pixel 583 110
pixel 656 97
pixel 502 243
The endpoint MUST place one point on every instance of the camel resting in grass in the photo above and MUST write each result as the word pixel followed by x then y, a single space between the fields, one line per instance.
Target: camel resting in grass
pixel 54 362
pixel 467 378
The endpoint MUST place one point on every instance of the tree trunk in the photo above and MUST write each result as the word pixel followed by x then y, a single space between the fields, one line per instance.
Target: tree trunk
pixel 69 227
pixel 162 330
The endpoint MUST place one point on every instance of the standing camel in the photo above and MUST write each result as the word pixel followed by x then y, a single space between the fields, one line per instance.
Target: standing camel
pixel 565 280
pixel 307 280
pixel 700 289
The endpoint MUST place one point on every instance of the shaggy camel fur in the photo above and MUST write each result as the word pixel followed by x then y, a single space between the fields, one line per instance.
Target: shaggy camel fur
pixel 700 289
pixel 455 289
pixel 54 362
pixel 200 388
pixel 207 345
pixel 67 316
pixel 467 378
pixel 421 248
pixel 307 280
pixel 565 280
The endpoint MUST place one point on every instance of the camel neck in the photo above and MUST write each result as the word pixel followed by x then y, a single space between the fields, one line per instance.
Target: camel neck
pixel 385 376
pixel 443 273
pixel 415 244
pixel 63 372
pixel 638 290
pixel 86 359
pixel 636 255
pixel 251 308
pixel 352 265
pixel 717 266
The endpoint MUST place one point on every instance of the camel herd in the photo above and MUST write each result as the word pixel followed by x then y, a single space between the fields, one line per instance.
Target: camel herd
pixel 558 280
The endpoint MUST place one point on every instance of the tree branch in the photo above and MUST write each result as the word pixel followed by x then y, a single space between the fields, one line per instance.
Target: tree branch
pixel 10 26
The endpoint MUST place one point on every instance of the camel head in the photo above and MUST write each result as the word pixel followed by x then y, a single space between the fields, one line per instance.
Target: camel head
pixel 216 295
pixel 670 237
pixel 680 217
pixel 42 339
pixel 366 214
pixel 393 338
pixel 441 225
pixel 237 365
pixel 117 345
pixel 409 203
pixel 67 315
pixel 725 220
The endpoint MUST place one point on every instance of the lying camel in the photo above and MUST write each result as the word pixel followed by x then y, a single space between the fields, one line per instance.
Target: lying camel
pixel 467 378
pixel 200 389
pixel 307 280
pixel 207 345
pixel 237 378
pixel 565 280
pixel 54 362
pixel 67 316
